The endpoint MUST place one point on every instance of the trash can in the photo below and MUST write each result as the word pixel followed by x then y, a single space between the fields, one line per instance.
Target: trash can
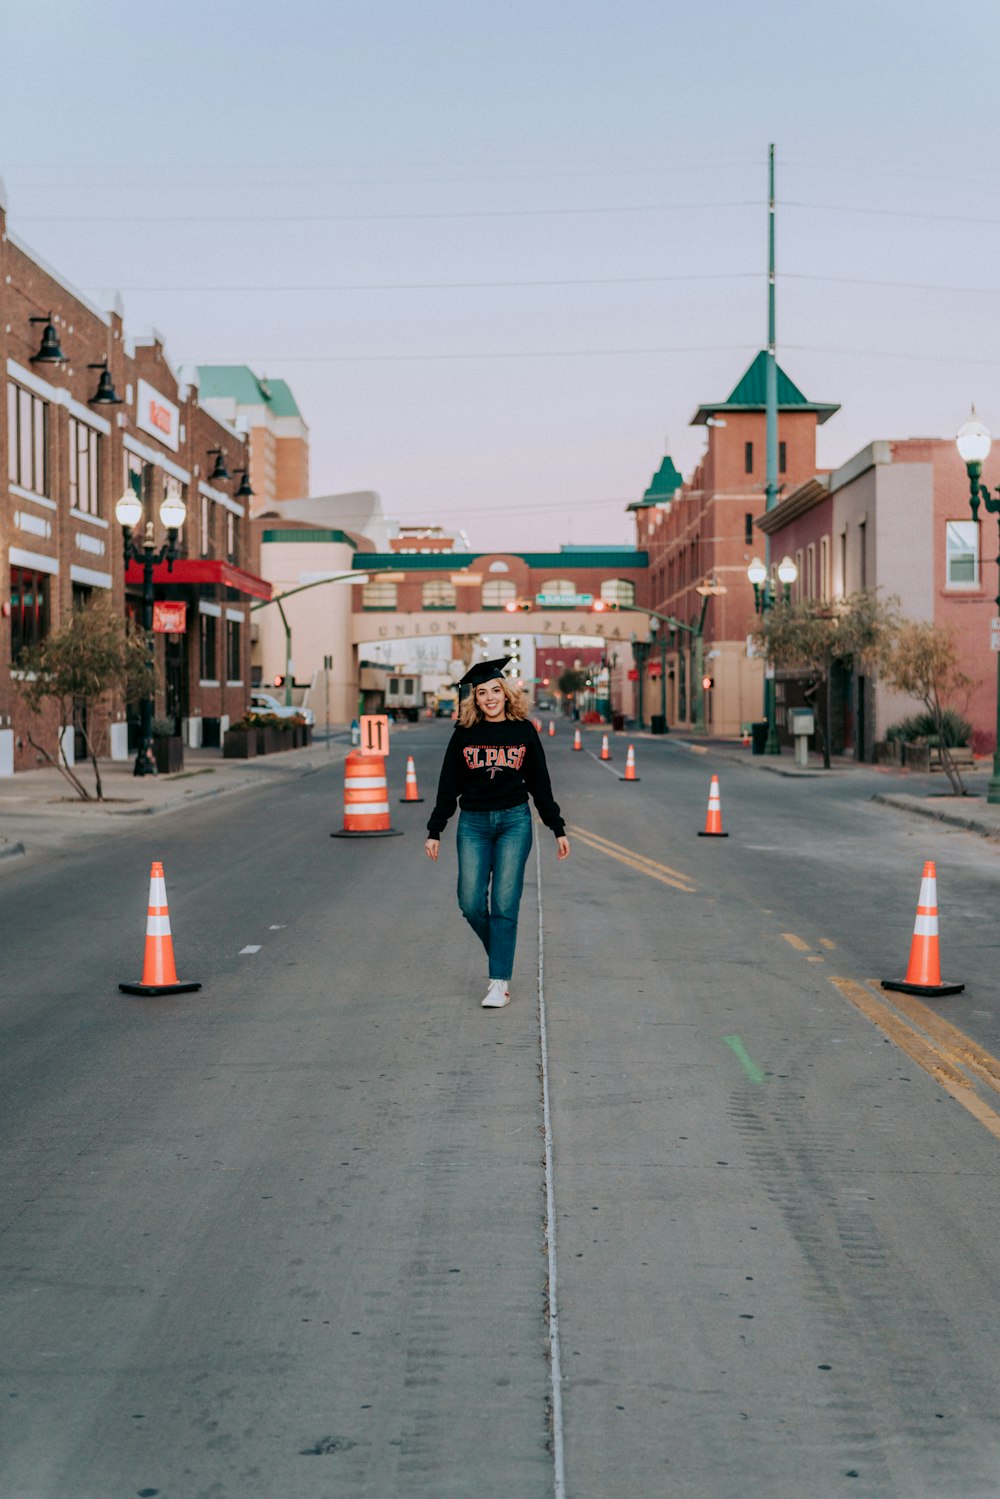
pixel 618 723
pixel 758 735
pixel 658 723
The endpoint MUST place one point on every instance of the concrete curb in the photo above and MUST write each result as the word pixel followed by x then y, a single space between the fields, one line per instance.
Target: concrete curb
pixel 917 807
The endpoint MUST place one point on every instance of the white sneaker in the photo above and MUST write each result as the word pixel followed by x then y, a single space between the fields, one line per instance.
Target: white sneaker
pixel 497 995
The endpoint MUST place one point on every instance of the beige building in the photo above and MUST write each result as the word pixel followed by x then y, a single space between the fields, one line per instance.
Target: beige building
pixel 266 411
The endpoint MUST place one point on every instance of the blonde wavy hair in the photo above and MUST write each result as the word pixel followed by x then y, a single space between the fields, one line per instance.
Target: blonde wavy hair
pixel 470 713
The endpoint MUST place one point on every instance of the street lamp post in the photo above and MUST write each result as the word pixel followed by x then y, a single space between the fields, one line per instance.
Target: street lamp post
pixel 640 653
pixel 974 443
pixel 128 513
pixel 764 598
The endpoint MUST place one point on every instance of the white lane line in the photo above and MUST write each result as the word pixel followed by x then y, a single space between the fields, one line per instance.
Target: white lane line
pixel 555 1360
pixel 606 763
pixel 249 949
pixel 279 928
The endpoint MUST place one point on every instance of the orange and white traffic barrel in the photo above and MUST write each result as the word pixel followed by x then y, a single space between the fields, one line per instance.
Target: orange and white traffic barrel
pixel 366 798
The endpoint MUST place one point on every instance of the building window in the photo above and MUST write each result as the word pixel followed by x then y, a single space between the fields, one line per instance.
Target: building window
pixel 84 468
pixel 748 457
pixel 378 596
pixel 29 610
pixel 206 648
pixel 497 592
pixel 748 529
pixel 233 665
pixel 863 555
pixel 824 569
pixel 27 440
pixel 559 588
pixel 206 546
pixel 962 553
pixel 810 571
pixel 232 535
pixel 618 591
pixel 438 593
pixel 782 457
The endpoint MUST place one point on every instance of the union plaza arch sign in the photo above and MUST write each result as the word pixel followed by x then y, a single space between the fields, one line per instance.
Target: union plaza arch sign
pixel 371 625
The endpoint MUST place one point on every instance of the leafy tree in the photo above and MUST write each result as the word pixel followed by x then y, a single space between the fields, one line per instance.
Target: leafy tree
pixel 813 637
pixel 572 681
pixel 922 661
pixel 95 652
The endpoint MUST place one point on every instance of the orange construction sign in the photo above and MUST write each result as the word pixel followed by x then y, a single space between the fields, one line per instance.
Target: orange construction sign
pixel 375 734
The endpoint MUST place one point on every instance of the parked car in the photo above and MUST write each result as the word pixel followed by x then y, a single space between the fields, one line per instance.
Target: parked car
pixel 263 702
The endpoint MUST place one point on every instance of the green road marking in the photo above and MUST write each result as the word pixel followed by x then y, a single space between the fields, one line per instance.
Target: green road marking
pixel 752 1071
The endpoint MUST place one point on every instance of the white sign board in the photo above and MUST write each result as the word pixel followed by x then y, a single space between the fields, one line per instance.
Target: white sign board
pixel 995 634
pixel 156 415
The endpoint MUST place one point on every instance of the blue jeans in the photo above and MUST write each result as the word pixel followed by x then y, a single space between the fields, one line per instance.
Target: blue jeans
pixel 493 844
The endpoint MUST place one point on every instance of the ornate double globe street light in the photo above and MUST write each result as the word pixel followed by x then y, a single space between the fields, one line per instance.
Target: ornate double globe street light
pixel 764 598
pixel 974 443
pixel 128 513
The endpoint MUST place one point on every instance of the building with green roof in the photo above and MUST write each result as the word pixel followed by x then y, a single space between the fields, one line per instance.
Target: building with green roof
pixel 268 412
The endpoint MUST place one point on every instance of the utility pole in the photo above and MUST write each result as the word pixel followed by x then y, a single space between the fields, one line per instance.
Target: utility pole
pixel 772 746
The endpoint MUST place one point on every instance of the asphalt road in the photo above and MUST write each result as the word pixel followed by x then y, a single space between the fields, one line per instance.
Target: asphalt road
pixel 287 1236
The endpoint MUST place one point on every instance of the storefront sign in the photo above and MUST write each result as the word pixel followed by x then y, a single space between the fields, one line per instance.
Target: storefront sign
pixel 170 618
pixel 156 415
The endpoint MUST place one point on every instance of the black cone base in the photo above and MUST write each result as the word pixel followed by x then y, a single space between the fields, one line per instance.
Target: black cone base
pixel 928 990
pixel 703 834
pixel 411 799
pixel 154 989
pixel 630 780
pixel 374 833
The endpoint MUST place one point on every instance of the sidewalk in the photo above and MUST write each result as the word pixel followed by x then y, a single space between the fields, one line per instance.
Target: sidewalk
pixel 39 808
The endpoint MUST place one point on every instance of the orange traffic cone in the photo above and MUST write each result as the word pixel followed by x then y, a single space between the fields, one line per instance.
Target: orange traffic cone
pixel 630 774
pixel 411 794
pixel 605 751
pixel 552 728
pixel 577 741
pixel 159 975
pixel 713 822
pixel 923 973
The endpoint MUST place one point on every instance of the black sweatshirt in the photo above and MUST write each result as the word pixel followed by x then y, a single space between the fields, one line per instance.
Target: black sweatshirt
pixel 493 766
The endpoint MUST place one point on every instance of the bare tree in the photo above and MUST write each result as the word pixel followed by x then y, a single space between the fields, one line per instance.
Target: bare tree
pixel 922 661
pixel 95 652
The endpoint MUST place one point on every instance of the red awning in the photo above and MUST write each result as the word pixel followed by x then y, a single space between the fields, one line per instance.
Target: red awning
pixel 197 570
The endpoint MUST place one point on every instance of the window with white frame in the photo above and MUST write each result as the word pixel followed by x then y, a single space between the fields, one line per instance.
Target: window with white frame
pixel 207 637
pixel 497 592
pixel 84 467
pixel 233 642
pixel 824 569
pixel 29 610
pixel 618 591
pixel 438 593
pixel 811 570
pixel 558 588
pixel 378 595
pixel 962 553
pixel 27 440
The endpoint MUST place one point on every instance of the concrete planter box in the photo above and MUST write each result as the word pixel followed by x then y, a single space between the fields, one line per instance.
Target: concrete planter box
pixel 240 744
pixel 961 757
pixel 888 752
pixel 269 739
pixel 917 756
pixel 169 754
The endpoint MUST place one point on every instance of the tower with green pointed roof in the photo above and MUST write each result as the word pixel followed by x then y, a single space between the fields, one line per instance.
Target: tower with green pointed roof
pixel 268 412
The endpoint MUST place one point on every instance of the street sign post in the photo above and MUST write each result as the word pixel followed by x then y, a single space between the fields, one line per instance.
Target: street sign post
pixel 375 733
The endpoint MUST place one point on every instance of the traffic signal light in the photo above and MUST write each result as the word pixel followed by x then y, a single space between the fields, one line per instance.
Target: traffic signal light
pixel 279 681
pixel 513 606
pixel 708 683
pixel 604 606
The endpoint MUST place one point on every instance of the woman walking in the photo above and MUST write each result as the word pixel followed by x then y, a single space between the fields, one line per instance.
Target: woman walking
pixel 493 760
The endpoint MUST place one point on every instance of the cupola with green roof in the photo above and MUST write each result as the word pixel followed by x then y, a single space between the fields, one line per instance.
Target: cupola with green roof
pixel 662 488
pixel 749 395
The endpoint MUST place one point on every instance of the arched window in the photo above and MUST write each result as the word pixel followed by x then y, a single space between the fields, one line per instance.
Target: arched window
pixel 376 595
pixel 558 588
pixel 618 591
pixel 438 593
pixel 497 591
pixel 499 567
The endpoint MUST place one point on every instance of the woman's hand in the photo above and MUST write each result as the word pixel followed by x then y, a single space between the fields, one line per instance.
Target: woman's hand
pixel 431 848
pixel 563 846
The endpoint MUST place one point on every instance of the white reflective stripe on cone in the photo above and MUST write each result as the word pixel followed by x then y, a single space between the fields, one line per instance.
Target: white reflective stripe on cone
pixel 928 892
pixel 365 809
pixel 157 926
pixel 363 783
pixel 925 926
pixel 157 891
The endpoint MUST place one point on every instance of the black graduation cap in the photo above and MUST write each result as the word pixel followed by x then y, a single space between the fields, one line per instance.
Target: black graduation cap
pixel 484 671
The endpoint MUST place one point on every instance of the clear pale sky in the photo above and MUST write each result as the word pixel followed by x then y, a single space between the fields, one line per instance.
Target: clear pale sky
pixel 309 187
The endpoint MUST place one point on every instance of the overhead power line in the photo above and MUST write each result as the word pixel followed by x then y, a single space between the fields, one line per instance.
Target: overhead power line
pixel 277 219
pixel 456 285
pixel 272 361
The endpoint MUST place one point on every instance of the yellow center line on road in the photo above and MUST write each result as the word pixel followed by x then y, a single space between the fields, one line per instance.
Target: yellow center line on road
pixel 639 862
pixel 937 1061
pixel 953 1042
pixel 795 942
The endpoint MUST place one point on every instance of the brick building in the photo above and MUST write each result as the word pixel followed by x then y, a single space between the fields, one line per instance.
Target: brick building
pixel 88 412
pixel 266 411
pixel 895 517
pixel 701 532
